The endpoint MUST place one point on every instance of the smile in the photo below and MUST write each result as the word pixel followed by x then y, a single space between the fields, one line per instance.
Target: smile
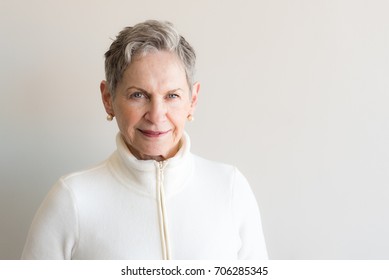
pixel 153 134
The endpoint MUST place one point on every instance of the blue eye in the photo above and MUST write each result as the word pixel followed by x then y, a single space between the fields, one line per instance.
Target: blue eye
pixel 137 95
pixel 172 96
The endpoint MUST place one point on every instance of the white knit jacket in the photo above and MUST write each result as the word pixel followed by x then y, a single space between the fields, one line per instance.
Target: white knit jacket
pixel 184 208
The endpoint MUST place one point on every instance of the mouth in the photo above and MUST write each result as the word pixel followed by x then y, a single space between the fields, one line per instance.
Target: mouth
pixel 153 133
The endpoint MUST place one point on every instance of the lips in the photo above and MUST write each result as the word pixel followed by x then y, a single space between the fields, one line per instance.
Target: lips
pixel 153 133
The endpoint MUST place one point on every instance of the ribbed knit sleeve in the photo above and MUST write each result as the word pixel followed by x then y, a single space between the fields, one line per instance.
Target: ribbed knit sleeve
pixel 54 231
pixel 247 219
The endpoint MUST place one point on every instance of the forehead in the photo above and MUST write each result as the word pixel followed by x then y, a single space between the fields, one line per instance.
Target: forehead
pixel 155 71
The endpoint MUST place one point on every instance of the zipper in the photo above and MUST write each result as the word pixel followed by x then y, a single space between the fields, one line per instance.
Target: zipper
pixel 162 211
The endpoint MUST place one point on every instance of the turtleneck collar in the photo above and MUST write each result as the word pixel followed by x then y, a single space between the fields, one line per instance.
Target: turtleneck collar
pixel 141 175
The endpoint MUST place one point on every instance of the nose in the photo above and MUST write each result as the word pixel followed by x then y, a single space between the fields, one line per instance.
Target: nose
pixel 156 112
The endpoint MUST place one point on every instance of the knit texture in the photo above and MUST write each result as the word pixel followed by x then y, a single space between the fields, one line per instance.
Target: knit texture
pixel 111 212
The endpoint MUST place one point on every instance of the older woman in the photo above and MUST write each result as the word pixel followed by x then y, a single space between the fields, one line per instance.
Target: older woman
pixel 152 198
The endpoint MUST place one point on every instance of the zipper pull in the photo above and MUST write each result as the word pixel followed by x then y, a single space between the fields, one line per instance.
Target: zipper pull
pixel 161 165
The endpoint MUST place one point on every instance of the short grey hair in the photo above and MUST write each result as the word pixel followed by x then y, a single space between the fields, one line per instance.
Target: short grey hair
pixel 143 38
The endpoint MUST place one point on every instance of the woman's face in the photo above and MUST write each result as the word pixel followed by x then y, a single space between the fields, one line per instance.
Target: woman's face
pixel 151 104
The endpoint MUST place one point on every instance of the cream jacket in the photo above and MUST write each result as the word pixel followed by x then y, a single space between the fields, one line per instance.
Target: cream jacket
pixel 184 208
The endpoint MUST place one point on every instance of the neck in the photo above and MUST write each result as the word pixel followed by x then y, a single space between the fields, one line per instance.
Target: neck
pixel 158 158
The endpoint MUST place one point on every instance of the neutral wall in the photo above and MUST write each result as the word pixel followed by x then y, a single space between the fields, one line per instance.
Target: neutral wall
pixel 294 93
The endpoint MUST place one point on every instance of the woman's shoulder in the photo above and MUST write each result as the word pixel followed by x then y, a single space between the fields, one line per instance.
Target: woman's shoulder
pixel 221 176
pixel 87 176
pixel 216 168
pixel 212 164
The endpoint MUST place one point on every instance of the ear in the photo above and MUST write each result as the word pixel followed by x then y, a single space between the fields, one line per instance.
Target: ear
pixel 195 93
pixel 106 98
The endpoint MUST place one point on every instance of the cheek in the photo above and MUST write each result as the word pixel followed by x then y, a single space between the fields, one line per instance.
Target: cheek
pixel 128 117
pixel 178 117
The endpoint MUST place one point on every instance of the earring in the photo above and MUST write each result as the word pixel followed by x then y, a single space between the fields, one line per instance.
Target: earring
pixel 109 117
pixel 190 118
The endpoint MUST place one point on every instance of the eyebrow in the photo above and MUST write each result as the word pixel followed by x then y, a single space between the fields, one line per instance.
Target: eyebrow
pixel 145 91
pixel 137 88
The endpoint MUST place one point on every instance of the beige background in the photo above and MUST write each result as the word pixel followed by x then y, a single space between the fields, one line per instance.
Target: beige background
pixel 294 93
